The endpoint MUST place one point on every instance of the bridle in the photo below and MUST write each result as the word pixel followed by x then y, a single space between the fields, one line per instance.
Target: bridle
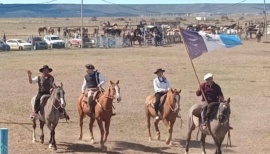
pixel 59 97
pixel 220 114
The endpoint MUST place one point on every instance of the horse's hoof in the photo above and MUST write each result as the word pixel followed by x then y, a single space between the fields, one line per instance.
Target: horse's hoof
pixel 34 141
pixel 150 139
pixel 55 148
pixel 80 138
pixel 158 138
pixel 186 152
pixel 92 141
pixel 103 147
pixel 50 146
pixel 168 142
pixel 203 153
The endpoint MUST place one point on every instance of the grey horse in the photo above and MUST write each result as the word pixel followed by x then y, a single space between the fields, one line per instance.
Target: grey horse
pixel 49 113
pixel 217 126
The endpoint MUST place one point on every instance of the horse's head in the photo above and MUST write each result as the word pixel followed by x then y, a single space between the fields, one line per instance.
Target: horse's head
pixel 173 96
pixel 224 111
pixel 114 89
pixel 59 94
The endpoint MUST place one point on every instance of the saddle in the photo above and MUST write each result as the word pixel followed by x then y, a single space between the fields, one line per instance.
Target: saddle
pixel 95 96
pixel 162 101
pixel 211 111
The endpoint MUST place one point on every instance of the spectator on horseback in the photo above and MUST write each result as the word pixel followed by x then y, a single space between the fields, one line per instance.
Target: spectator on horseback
pixel 161 87
pixel 93 82
pixel 213 94
pixel 46 84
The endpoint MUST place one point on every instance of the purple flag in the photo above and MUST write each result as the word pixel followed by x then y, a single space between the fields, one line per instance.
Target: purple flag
pixel 199 42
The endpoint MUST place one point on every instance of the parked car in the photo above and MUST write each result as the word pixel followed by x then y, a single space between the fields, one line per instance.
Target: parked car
pixel 19 44
pixel 4 46
pixel 76 41
pixel 54 41
pixel 37 42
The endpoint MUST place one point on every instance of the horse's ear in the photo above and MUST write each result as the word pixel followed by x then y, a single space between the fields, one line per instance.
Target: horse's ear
pixel 229 100
pixel 111 82
pixel 171 90
pixel 179 91
pixel 61 84
pixel 54 85
pixel 117 82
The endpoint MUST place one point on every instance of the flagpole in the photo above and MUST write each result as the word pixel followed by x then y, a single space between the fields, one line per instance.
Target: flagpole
pixel 195 72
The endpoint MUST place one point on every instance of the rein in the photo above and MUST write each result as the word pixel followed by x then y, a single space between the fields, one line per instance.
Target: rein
pixel 111 97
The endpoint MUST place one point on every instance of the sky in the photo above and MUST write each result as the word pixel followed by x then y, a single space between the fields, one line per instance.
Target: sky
pixel 127 1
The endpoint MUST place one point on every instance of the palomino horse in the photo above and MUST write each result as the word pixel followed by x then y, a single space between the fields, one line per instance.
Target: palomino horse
pixel 42 30
pixel 217 126
pixel 170 109
pixel 103 111
pixel 49 113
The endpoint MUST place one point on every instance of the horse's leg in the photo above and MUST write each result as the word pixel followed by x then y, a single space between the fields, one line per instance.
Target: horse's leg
pixel 53 143
pixel 203 136
pixel 191 127
pixel 157 129
pixel 107 129
pixel 34 130
pixel 148 123
pixel 42 132
pixel 91 124
pixel 81 114
pixel 100 125
pixel 170 131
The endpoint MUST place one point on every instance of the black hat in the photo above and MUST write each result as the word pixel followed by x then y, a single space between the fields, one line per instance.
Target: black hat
pixel 159 70
pixel 90 66
pixel 45 67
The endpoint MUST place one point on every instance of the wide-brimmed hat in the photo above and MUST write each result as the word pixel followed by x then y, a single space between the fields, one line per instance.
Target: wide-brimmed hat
pixel 45 67
pixel 90 66
pixel 207 76
pixel 159 70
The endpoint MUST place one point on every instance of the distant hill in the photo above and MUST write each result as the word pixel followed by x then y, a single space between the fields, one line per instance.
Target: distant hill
pixel 73 10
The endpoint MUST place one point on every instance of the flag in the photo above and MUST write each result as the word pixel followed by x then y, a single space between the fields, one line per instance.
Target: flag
pixel 200 42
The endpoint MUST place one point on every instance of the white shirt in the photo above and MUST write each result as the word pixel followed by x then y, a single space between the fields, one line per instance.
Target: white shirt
pixel 161 86
pixel 35 80
pixel 101 82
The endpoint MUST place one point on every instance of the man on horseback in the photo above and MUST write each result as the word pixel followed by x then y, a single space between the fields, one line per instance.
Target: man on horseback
pixel 45 83
pixel 161 87
pixel 93 82
pixel 212 93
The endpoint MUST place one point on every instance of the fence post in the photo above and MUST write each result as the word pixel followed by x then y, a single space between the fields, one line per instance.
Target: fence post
pixel 3 141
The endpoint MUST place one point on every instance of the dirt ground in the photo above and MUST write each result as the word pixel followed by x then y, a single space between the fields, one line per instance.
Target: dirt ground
pixel 243 73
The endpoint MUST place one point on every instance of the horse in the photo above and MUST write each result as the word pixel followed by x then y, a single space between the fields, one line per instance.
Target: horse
pixel 134 38
pixel 259 35
pixel 170 104
pixel 49 113
pixel 50 30
pixel 42 30
pixel 158 38
pixel 103 111
pixel 217 125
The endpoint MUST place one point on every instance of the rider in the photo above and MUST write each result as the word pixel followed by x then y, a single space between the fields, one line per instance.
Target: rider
pixel 161 87
pixel 93 81
pixel 212 92
pixel 45 83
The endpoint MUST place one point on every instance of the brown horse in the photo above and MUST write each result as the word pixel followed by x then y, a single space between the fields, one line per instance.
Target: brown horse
pixel 42 30
pixel 133 39
pixel 170 108
pixel 50 30
pixel 103 111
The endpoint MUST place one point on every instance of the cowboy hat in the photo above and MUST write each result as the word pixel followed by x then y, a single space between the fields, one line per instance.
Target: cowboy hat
pixel 207 76
pixel 45 67
pixel 90 66
pixel 159 70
